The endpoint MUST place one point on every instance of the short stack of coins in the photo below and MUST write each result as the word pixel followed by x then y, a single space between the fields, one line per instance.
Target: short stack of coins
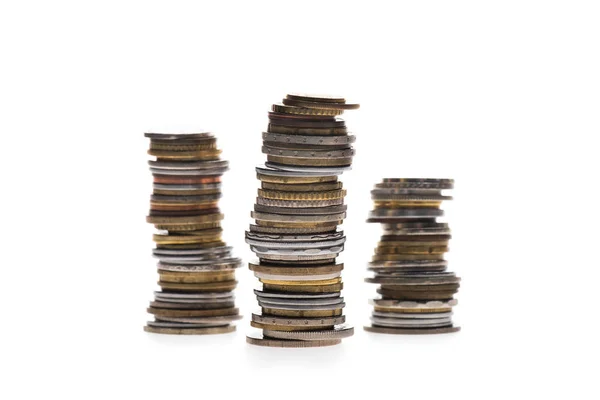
pixel 196 268
pixel 297 211
pixel 417 292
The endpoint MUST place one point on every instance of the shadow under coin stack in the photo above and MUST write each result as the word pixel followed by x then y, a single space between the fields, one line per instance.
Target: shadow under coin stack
pixel 416 290
pixel 197 271
pixel 299 206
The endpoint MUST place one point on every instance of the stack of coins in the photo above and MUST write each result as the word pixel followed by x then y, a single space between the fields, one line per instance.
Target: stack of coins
pixel 197 271
pixel 417 292
pixel 299 206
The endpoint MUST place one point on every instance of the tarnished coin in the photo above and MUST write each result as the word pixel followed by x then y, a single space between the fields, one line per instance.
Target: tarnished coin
pixel 188 296
pixel 338 332
pixel 303 289
pixel 309 187
pixel 201 320
pixel 277 295
pixel 328 140
pixel 282 108
pixel 260 340
pixel 191 331
pixel 295 130
pixel 292 219
pixel 205 305
pixel 162 312
pixel 320 104
pixel 201 135
pixel 399 331
pixel 318 98
pixel 331 210
pixel 419 183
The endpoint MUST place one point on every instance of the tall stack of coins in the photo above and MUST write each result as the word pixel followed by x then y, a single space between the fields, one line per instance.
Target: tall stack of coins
pixel 196 268
pixel 297 211
pixel 417 292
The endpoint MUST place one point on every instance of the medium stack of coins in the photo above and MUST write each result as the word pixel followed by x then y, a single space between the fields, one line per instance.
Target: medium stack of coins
pixel 299 206
pixel 197 271
pixel 416 290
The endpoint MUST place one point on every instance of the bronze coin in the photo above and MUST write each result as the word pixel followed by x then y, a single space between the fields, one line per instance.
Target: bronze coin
pixel 185 180
pixel 304 289
pixel 207 305
pixel 299 117
pixel 301 123
pixel 316 98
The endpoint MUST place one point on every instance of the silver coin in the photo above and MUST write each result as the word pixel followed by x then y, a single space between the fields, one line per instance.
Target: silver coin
pixel 296 245
pixel 411 323
pixel 292 231
pixel 300 211
pixel 189 165
pixel 287 295
pixel 184 252
pixel 297 218
pixel 204 186
pixel 225 319
pixel 178 325
pixel 318 171
pixel 308 140
pixel 301 307
pixel 301 302
pixel 390 281
pixel 277 277
pixel 414 305
pixel 229 264
pixel 393 213
pixel 227 300
pixel 191 296
pixel 338 332
pixel 412 315
pixel 270 171
pixel 206 172
pixel 386 189
pixel 299 203
pixel 273 237
pixel 307 322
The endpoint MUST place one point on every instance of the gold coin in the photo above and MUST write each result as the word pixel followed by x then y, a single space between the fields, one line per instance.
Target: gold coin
pixel 288 328
pixel 196 277
pixel 301 283
pixel 190 227
pixel 412 204
pixel 186 155
pixel 292 180
pixel 311 162
pixel 191 246
pixel 296 270
pixel 303 196
pixel 301 313
pixel 214 312
pixel 188 239
pixel 305 289
pixel 191 331
pixel 200 287
pixel 281 108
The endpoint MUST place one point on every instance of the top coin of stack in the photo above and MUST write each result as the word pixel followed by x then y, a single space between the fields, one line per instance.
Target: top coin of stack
pixel 417 291
pixel 298 208
pixel 196 268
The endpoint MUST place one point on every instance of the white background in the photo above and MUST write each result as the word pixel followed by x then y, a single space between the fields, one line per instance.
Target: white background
pixel 502 96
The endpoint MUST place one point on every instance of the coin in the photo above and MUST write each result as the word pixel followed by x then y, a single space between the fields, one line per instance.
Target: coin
pixel 193 313
pixel 320 104
pixel 191 331
pixel 281 108
pixel 313 140
pixel 338 332
pixel 278 187
pixel 260 340
pixel 398 331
